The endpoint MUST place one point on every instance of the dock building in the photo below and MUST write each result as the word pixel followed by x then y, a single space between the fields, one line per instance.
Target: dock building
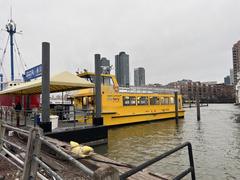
pixel 122 69
pixel 139 76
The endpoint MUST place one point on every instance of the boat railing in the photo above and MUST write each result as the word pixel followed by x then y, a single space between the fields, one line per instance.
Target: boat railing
pixel 148 90
pixel 162 156
pixel 33 117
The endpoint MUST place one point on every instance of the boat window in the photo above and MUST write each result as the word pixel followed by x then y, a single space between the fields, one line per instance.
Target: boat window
pixel 104 80
pixel 171 100
pixel 143 100
pixel 85 101
pixel 164 100
pixel 154 100
pixel 107 81
pixel 129 100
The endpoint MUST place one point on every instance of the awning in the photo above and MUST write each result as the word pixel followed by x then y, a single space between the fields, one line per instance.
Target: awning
pixel 64 81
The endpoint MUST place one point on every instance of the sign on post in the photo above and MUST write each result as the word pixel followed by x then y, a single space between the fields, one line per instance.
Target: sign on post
pixel 33 73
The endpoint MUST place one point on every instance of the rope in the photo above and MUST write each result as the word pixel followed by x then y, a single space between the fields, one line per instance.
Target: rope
pixel 16 60
pixel 20 56
pixel 3 57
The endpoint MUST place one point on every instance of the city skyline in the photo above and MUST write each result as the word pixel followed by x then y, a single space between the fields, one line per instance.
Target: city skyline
pixel 160 36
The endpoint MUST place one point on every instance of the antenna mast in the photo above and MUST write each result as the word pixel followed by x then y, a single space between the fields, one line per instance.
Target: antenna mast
pixel 11 29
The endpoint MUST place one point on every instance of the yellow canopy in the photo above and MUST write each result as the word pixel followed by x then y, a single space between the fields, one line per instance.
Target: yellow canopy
pixel 64 81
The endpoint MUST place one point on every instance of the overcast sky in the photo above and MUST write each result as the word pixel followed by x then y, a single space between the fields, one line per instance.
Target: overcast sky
pixel 171 39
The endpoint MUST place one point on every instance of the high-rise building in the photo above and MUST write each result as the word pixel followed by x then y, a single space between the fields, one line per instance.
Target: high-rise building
pixel 231 76
pixel 105 63
pixel 122 69
pixel 227 80
pixel 139 76
pixel 236 62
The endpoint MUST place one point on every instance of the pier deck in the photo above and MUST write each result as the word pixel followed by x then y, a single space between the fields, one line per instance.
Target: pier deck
pixel 66 169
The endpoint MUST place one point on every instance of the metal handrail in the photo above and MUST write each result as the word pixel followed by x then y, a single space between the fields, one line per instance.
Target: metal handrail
pixel 18 130
pixel 32 117
pixel 162 156
pixel 47 168
pixel 78 164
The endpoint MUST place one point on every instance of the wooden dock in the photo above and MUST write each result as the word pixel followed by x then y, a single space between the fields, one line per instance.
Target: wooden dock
pixel 102 167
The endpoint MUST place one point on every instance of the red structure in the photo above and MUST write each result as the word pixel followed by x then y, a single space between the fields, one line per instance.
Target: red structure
pixel 8 100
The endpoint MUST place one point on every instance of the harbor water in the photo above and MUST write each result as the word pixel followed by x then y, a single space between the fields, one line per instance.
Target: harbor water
pixel 215 140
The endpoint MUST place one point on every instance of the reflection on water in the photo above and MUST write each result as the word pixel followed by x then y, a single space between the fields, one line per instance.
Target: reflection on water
pixel 215 140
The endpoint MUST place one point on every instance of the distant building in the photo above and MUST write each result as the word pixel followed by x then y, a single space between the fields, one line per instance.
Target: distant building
pixel 236 62
pixel 227 80
pixel 155 85
pixel 139 76
pixel 208 92
pixel 105 63
pixel 231 76
pixel 122 69
pixel 210 82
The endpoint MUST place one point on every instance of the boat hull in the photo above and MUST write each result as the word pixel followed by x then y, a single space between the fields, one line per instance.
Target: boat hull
pixel 112 119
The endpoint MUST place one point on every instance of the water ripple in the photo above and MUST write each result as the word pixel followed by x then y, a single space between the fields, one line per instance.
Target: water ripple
pixel 215 140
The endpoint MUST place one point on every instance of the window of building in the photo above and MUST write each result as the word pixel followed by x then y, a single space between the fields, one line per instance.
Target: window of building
pixel 171 100
pixel 154 100
pixel 143 100
pixel 129 100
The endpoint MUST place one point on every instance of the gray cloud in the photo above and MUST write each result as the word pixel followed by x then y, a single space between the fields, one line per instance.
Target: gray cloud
pixel 171 39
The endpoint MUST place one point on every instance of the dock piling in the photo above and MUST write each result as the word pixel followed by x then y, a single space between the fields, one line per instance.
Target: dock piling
pixel 176 105
pixel 46 124
pixel 98 120
pixel 198 105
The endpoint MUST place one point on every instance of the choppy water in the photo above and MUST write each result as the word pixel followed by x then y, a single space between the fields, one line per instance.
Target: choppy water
pixel 215 140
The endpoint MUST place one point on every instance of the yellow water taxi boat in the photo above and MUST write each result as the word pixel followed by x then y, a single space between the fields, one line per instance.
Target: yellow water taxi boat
pixel 123 105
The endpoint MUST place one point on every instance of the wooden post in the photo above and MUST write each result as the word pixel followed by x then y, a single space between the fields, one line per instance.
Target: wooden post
pixel 6 114
pixel 106 173
pixel 176 105
pixel 1 111
pixel 33 149
pixel 198 105
pixel 2 133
